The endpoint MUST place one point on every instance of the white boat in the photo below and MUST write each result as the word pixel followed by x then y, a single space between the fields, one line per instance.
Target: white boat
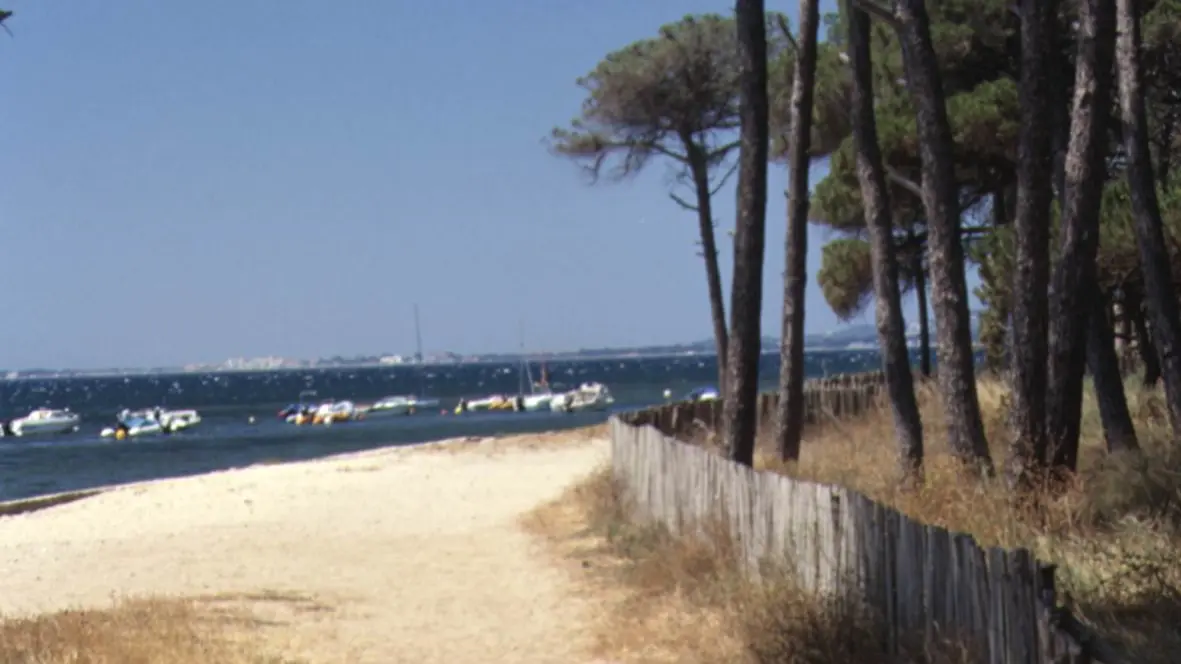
pixel 395 405
pixel 540 396
pixel 45 421
pixel 538 401
pixel 301 410
pixel 494 402
pixel 401 405
pixel 179 420
pixel 331 412
pixel 151 421
pixel 707 393
pixel 408 404
pixel 133 426
pixel 588 396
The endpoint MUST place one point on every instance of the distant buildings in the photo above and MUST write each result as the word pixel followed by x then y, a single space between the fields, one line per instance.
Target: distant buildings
pixel 257 363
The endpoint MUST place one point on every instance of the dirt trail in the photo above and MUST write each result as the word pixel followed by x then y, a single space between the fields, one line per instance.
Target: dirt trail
pixel 390 556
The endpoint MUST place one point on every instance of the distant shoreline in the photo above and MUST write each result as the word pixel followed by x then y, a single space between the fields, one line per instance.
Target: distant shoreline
pixel 55 374
pixel 45 374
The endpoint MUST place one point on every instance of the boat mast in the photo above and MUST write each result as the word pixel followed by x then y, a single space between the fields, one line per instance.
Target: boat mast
pixel 521 358
pixel 418 353
pixel 523 370
pixel 417 337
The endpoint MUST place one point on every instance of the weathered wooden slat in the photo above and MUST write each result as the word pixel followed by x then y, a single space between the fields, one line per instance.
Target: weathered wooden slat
pixel 921 581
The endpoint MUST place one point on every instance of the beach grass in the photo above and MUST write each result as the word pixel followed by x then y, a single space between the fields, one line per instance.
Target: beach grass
pixel 134 631
pixel 1114 532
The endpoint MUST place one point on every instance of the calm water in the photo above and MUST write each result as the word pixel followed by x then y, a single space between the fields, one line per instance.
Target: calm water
pixel 226 439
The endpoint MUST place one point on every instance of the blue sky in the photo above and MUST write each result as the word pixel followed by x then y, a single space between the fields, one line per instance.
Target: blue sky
pixel 186 182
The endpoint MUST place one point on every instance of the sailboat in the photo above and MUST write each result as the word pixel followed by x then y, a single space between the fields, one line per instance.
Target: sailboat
pixel 407 404
pixel 537 399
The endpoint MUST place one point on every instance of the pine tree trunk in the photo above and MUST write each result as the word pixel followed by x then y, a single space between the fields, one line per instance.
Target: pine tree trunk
pixel 709 251
pixel 1084 175
pixel 790 421
pixel 920 289
pixel 1160 295
pixel 908 427
pixel 1103 362
pixel 1144 345
pixel 1030 310
pixel 740 408
pixel 949 291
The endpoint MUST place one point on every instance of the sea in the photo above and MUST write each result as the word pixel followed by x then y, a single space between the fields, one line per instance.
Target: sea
pixel 240 426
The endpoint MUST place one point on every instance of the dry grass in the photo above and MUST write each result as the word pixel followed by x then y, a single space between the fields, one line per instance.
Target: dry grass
pixel 683 600
pixel 140 631
pixel 656 592
pixel 1115 534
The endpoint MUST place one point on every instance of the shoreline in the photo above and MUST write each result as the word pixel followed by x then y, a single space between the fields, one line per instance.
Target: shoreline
pixel 403 553
pixel 29 504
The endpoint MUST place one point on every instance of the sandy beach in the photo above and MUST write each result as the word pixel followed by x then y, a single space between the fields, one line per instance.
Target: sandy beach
pixel 394 555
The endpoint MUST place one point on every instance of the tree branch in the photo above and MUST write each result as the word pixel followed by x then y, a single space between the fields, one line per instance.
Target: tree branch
pixel 782 21
pixel 879 12
pixel 725 178
pixel 904 182
pixel 914 240
pixel 721 151
pixel 595 150
pixel 682 202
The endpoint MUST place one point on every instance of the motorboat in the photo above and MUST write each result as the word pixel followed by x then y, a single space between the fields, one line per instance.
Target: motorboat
pixel 134 423
pixel 302 410
pixel 179 420
pixel 45 421
pixel 401 405
pixel 151 421
pixel 588 397
pixel 496 402
pixel 331 412
pixel 707 393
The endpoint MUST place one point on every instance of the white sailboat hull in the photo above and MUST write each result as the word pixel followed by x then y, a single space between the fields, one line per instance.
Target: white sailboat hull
pixel 388 411
pixel 391 406
pixel 537 402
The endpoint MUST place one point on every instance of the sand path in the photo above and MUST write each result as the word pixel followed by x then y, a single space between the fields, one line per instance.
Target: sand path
pixel 396 555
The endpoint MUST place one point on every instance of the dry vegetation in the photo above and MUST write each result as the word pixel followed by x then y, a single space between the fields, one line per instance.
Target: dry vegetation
pixel 139 631
pixel 679 600
pixel 1115 534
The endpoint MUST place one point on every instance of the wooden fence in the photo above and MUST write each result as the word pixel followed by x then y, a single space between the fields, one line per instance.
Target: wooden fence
pixel 844 395
pixel 919 579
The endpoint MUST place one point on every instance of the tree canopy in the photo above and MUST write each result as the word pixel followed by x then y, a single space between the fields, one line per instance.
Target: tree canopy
pixel 655 97
pixel 978 48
